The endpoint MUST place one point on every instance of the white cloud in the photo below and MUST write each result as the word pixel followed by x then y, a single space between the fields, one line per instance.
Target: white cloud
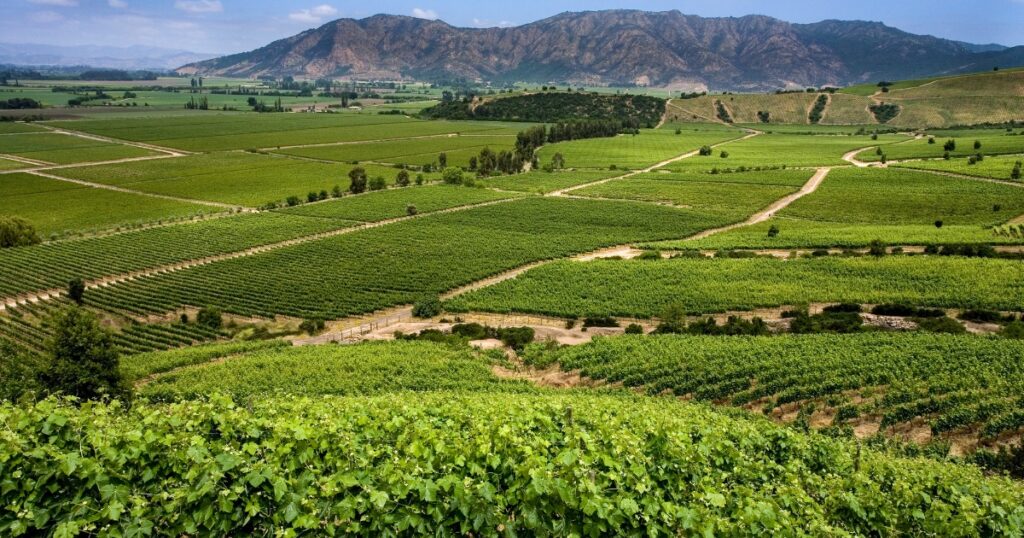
pixel 199 6
pixel 45 17
pixel 421 13
pixel 61 3
pixel 487 23
pixel 118 4
pixel 314 14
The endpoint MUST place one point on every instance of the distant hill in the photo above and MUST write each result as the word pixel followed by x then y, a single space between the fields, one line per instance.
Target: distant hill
pixel 97 56
pixel 620 47
pixel 991 97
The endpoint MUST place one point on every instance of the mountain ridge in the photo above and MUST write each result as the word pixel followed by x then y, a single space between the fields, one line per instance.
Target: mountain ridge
pixel 616 47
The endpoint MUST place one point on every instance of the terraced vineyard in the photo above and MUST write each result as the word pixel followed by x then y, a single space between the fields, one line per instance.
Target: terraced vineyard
pixel 947 385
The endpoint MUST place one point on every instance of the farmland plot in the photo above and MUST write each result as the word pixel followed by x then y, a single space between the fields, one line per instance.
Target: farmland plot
pixel 65 149
pixel 632 151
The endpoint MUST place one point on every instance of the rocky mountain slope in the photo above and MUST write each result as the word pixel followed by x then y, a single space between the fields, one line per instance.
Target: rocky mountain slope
pixel 616 47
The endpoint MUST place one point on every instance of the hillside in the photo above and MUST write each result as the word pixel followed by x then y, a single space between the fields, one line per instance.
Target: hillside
pixel 622 47
pixel 988 97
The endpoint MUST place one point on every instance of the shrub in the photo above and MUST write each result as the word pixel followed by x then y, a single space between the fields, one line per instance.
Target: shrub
pixel 17 232
pixel 411 210
pixel 427 308
pixel 358 179
pixel 950 145
pixel 634 328
pixel 312 326
pixel 210 317
pixel 877 248
pixel 843 307
pixel 378 183
pixel 452 176
pixel 940 325
pixel 705 151
pixel 1014 329
pixel 402 179
pixel 76 290
pixel 600 321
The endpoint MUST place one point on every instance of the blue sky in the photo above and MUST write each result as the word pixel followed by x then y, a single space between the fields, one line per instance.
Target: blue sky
pixel 225 26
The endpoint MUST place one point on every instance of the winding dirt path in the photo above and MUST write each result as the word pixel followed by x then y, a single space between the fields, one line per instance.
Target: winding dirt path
pixel 768 212
pixel 662 164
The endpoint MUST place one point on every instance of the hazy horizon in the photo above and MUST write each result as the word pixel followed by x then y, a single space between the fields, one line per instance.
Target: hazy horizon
pixel 231 26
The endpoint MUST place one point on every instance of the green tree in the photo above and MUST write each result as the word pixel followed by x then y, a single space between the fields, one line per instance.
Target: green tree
pixel 378 183
pixel 19 372
pixel 402 179
pixel 83 360
pixel 76 290
pixel 773 231
pixel 210 317
pixel 557 161
pixel 358 180
pixel 452 176
pixel 442 159
pixel 411 210
pixel 427 307
pixel 17 232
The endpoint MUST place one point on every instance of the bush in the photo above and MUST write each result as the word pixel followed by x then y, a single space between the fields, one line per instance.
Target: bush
pixel 378 183
pixel 402 179
pixel 950 145
pixel 600 321
pixel 452 176
pixel 411 210
pixel 17 232
pixel 516 338
pixel 634 328
pixel 427 308
pixel 312 326
pixel 357 179
pixel 76 290
pixel 83 360
pixel 1014 329
pixel 877 248
pixel 940 325
pixel 843 307
pixel 20 373
pixel 705 151
pixel 210 317
pixel 773 231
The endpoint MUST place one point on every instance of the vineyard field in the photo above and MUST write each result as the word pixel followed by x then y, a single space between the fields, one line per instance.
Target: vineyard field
pixel 998 167
pixel 64 149
pixel 412 152
pixel 345 275
pixel 991 144
pixel 58 207
pixel 392 203
pixel 633 151
pixel 226 131
pixel 735 199
pixel 703 286
pixel 52 265
pixel 364 369
pixel 545 182
pixel 789 150
pixel 233 178
pixel 453 463
pixel 954 383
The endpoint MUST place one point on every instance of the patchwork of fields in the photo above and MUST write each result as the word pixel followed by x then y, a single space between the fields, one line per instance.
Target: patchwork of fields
pixel 216 253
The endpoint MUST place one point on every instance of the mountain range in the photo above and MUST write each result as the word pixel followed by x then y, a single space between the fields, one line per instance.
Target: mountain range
pixel 97 56
pixel 618 47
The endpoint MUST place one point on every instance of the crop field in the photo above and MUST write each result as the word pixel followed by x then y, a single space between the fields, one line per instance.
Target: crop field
pixel 412 152
pixel 921 149
pixel 544 182
pixel 704 286
pixel 393 203
pixel 732 195
pixel 63 149
pixel 633 151
pixel 53 264
pixel 233 131
pixel 956 384
pixel 436 443
pixel 8 164
pixel 789 150
pixel 365 369
pixel 56 207
pixel 346 275
pixel 853 207
pixel 256 343
pixel 997 167
pixel 235 178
